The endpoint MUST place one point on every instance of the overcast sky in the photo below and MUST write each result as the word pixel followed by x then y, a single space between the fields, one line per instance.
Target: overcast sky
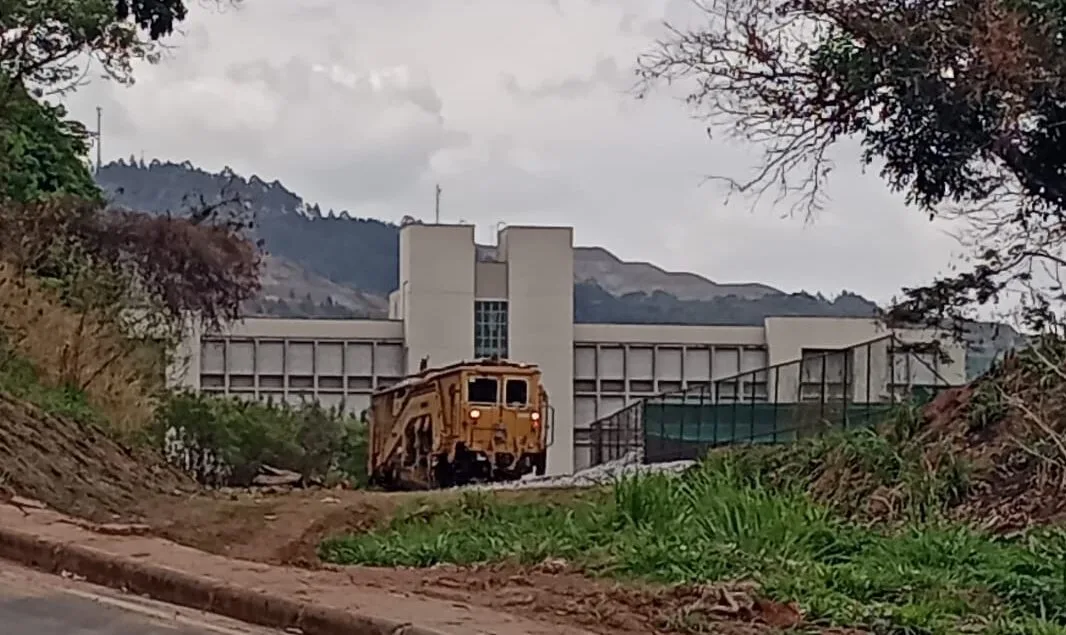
pixel 519 109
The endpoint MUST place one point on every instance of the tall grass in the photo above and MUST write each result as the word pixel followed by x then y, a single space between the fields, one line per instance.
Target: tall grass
pixel 76 353
pixel 721 521
pixel 21 380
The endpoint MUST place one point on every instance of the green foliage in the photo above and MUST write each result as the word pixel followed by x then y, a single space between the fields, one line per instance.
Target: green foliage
pixel 316 442
pixel 20 379
pixel 42 154
pixel 58 37
pixel 721 521
pixel 157 17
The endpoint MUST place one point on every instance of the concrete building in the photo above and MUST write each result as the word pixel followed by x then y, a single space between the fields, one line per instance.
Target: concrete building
pixel 451 307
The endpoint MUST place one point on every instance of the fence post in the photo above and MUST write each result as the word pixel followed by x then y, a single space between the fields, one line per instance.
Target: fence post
pixel 822 397
pixel 699 421
pixel 847 375
pixel 733 411
pixel 777 383
pixel 717 401
pixel 869 363
pixel 680 452
pixel 892 370
pixel 751 422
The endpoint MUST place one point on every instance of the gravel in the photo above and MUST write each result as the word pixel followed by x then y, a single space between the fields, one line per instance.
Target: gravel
pixel 603 474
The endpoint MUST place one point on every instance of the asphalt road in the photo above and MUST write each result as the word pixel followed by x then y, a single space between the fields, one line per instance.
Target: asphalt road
pixel 32 603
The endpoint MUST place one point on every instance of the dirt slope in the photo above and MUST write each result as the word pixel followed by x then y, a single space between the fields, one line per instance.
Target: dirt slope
pixel 75 468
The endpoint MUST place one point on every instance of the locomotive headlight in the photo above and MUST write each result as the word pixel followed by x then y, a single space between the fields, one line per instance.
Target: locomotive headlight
pixel 535 416
pixel 474 413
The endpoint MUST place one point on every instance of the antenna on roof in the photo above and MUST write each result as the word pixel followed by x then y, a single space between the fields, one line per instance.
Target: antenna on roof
pixel 99 138
pixel 437 206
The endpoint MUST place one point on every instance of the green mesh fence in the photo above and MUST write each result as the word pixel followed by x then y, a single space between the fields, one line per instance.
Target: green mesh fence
pixel 852 387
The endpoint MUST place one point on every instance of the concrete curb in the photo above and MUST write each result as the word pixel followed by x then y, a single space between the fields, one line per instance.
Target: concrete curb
pixel 196 592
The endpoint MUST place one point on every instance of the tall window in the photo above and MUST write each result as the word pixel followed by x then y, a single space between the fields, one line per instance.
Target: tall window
pixel 490 328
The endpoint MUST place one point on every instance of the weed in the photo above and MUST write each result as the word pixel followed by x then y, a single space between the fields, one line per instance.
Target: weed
pixel 20 379
pixel 725 521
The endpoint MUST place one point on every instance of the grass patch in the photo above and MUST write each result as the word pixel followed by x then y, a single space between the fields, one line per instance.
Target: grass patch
pixel 723 521
pixel 21 380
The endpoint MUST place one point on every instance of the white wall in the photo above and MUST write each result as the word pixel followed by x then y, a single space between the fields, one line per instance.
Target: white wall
pixel 437 293
pixel 335 362
pixel 540 288
pixel 875 370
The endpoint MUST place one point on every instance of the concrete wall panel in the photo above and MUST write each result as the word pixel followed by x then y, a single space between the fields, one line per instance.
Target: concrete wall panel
pixel 359 359
pixel 540 284
pixel 437 283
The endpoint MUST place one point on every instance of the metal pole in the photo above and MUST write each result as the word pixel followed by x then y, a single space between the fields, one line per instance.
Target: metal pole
pixel 436 208
pixel 99 138
pixel 847 371
pixel 777 382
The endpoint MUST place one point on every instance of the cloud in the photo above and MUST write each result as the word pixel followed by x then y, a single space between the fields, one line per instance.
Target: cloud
pixel 519 110
pixel 605 75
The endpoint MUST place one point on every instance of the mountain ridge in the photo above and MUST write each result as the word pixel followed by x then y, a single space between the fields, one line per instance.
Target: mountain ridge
pixel 299 235
pixel 331 264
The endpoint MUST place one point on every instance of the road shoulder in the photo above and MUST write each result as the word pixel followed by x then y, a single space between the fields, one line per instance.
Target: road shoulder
pixel 314 595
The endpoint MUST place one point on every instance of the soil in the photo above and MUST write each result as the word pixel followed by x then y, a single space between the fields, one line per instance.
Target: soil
pixel 78 470
pixel 76 467
pixel 504 599
pixel 285 527
pixel 1015 482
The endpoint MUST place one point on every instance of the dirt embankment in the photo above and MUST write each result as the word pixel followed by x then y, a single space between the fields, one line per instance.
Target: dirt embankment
pixel 76 468
pixel 1009 429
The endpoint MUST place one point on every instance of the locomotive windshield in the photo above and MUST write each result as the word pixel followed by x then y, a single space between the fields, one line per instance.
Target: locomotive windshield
pixel 482 390
pixel 516 393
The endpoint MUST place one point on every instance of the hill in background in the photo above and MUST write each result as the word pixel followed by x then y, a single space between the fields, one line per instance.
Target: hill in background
pixel 329 264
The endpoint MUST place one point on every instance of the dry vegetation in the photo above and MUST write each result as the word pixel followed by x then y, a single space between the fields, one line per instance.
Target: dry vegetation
pixel 69 348
pixel 95 301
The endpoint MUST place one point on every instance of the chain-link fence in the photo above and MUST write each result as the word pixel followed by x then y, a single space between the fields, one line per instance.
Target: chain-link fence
pixel 826 389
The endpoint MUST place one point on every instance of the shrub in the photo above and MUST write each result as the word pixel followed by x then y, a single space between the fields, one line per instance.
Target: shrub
pixel 225 440
pixel 891 472
pixel 147 273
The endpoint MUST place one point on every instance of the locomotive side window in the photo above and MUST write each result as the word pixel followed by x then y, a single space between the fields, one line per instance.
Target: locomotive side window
pixel 482 390
pixel 516 393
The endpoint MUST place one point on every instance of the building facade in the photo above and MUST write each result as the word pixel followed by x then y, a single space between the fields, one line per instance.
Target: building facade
pixel 452 306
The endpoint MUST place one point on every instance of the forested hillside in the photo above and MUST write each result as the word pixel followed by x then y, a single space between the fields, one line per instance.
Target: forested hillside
pixel 326 263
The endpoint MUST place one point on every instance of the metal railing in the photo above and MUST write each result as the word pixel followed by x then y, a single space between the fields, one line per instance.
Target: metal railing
pixel 825 389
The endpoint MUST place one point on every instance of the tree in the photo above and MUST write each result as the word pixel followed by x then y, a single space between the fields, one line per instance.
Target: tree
pixel 962 104
pixel 144 271
pixel 54 222
pixel 42 153
pixel 44 48
pixel 44 43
